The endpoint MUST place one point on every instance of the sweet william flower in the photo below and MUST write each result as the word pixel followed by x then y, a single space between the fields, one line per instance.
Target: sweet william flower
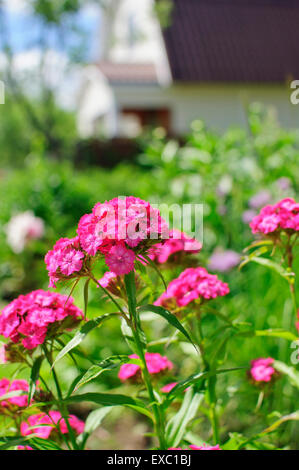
pixel 28 319
pixel 192 284
pixel 168 387
pixel 7 386
pixel 43 425
pixel 281 216
pixel 65 260
pixel 154 361
pixel 177 244
pixel 120 259
pixel 262 370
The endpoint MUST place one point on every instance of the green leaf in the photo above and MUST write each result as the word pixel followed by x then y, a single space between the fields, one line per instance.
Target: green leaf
pixel 269 264
pixel 34 377
pixel 277 333
pixel 93 421
pixel 194 379
pixel 291 417
pixel 169 317
pixel 176 427
pixel 153 265
pixel 96 370
pixel 7 442
pixel 292 373
pixel 81 334
pixel 107 399
pixel 128 335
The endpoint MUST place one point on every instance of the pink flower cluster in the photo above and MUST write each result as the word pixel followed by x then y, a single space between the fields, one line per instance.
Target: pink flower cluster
pixel 7 386
pixel 154 361
pixel 43 424
pixel 117 229
pixel 262 370
pixel 28 318
pixel 178 242
pixel 193 283
pixel 203 447
pixel 281 216
pixel 64 260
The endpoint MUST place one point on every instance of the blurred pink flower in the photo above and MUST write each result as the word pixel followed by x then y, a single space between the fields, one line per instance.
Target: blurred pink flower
pixel 23 227
pixel 43 424
pixel 260 199
pixel 281 216
pixel 7 386
pixel 223 260
pixel 154 361
pixel 261 370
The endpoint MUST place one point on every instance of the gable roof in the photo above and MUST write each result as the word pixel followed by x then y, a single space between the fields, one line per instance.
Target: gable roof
pixel 125 73
pixel 233 40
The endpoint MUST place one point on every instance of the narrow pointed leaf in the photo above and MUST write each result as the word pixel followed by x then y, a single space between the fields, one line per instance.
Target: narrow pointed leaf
pixel 34 377
pixel 169 317
pixel 81 334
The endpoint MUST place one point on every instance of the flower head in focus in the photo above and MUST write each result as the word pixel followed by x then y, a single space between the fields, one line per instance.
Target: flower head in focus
pixel 119 230
pixel 154 361
pixel 178 245
pixel 30 319
pixel 192 284
pixel 65 261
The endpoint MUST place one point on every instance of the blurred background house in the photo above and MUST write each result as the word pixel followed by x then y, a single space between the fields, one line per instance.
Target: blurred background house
pixel 213 55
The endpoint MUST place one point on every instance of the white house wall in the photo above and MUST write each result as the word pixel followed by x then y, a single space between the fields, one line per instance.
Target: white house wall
pixel 220 106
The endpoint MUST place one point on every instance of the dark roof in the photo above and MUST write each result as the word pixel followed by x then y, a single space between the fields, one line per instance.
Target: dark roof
pixel 234 40
pixel 129 74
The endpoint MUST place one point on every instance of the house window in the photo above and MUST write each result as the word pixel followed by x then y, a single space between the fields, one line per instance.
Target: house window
pixel 133 121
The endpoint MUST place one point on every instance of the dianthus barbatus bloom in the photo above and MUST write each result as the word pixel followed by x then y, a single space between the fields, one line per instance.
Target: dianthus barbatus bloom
pixel 43 425
pixel 192 284
pixel 178 242
pixel 262 370
pixel 281 216
pixel 28 319
pixel 154 361
pixel 65 260
pixel 7 386
pixel 119 229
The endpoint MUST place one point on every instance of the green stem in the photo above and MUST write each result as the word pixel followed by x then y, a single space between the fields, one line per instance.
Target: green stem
pixel 62 407
pixel 135 327
pixel 211 382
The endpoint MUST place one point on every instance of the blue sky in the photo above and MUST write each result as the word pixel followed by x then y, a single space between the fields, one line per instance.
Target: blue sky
pixel 25 30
